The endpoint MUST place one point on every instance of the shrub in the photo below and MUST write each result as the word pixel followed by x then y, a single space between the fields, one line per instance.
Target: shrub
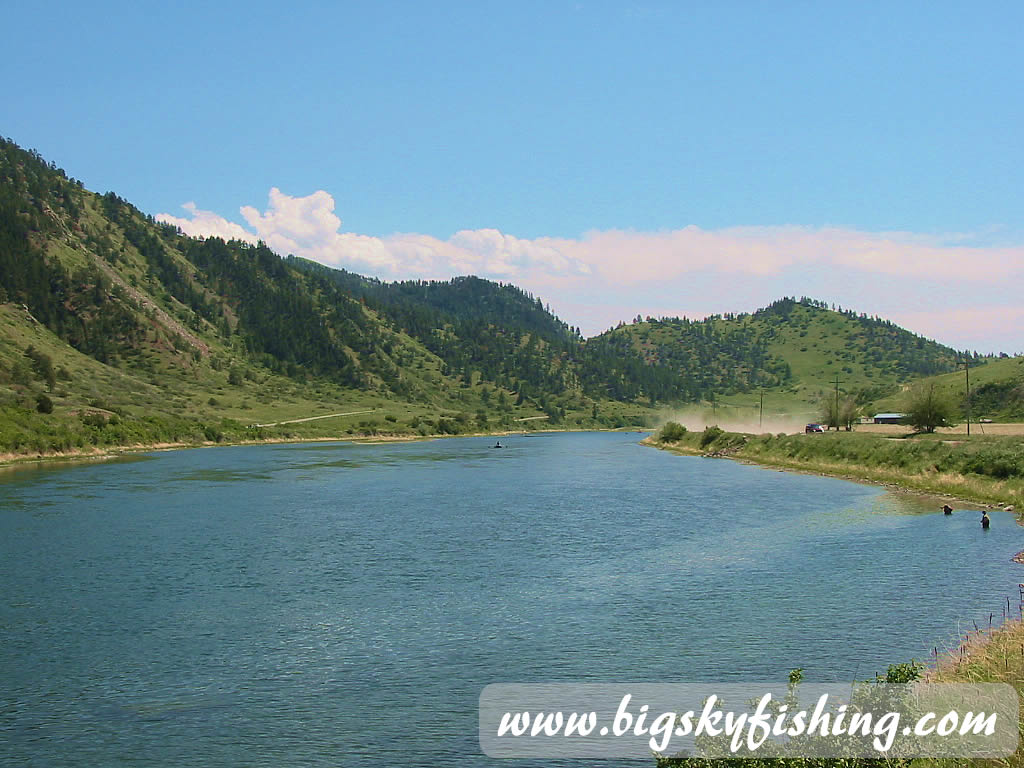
pixel 43 403
pixel 447 427
pixel 710 435
pixel 671 432
pixel 93 419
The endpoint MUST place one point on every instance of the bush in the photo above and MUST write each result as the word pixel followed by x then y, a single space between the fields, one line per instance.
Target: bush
pixel 447 427
pixel 671 432
pixel 710 435
pixel 43 403
pixel 93 419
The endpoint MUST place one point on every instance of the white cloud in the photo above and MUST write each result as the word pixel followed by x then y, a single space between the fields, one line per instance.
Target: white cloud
pixel 206 224
pixel 762 251
pixel 308 227
pixel 596 277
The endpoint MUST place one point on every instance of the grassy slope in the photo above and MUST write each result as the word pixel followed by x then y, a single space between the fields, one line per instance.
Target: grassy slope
pixel 173 365
pixel 818 344
pixel 176 398
pixel 787 408
pixel 954 385
pixel 984 469
pixel 168 377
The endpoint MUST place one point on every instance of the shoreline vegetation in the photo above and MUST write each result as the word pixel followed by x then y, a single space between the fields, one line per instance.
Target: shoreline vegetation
pixel 108 452
pixel 914 464
pixel 992 655
pixel 985 470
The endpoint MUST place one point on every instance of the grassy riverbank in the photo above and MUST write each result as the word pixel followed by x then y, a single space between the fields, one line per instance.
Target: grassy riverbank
pixel 190 438
pixel 995 656
pixel 982 469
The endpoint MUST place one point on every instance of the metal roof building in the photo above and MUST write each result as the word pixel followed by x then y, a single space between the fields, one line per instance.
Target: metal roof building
pixel 888 418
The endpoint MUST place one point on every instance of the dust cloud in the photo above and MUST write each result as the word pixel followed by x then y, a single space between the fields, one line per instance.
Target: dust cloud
pixel 735 420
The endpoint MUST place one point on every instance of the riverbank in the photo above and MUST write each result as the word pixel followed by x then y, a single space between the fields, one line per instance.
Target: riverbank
pixel 986 470
pixel 94 453
pixel 992 652
pixel 994 655
pixel 105 453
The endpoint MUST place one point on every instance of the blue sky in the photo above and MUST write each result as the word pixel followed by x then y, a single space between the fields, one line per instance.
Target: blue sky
pixel 614 158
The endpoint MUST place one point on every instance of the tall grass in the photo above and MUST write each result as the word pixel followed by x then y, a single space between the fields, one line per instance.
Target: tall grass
pixel 995 656
pixel 984 469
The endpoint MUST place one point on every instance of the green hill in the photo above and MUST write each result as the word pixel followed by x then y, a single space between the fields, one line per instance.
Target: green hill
pixel 997 391
pixel 792 349
pixel 115 329
pixel 135 333
pixel 479 328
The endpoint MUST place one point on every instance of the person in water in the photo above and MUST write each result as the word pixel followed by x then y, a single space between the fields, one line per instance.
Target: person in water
pixel 947 510
pixel 985 520
pixel 497 444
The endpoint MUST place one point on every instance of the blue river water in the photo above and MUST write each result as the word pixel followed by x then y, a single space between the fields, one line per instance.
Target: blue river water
pixel 338 604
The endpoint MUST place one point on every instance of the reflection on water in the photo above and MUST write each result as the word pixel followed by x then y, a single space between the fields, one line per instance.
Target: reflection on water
pixel 222 476
pixel 288 604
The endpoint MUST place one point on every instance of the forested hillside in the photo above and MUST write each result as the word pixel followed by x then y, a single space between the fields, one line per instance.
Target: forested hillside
pixel 476 326
pixel 127 291
pixel 683 360
pixel 118 329
pixel 794 345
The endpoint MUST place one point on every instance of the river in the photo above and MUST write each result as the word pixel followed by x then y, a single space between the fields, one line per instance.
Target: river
pixel 342 604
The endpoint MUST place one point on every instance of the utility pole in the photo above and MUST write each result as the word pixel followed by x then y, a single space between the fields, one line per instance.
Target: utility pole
pixel 837 402
pixel 967 375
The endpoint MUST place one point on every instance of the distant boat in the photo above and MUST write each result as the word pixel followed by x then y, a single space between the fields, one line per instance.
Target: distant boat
pixel 498 444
